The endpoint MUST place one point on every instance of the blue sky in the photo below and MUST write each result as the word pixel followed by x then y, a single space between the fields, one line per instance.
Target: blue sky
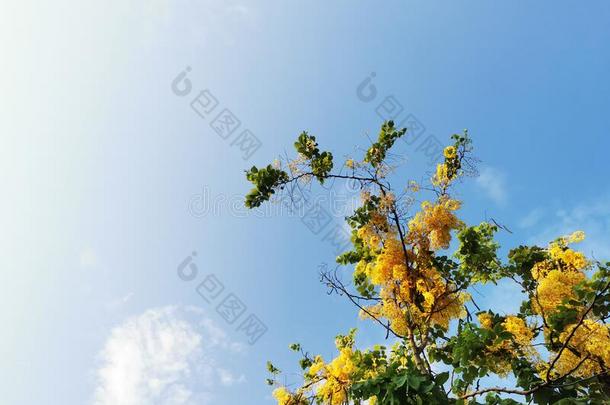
pixel 101 162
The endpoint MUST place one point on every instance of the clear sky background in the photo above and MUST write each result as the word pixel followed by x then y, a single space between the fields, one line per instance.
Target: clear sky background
pixel 100 162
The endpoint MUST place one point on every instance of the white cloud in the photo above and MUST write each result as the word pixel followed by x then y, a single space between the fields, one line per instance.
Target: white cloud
pixel 165 356
pixel 200 21
pixel 227 378
pixel 119 302
pixel 493 183
pixel 532 218
pixel 592 217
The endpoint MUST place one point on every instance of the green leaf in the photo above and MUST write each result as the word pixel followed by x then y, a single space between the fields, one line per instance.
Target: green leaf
pixel 400 380
pixel 442 378
pixel 414 381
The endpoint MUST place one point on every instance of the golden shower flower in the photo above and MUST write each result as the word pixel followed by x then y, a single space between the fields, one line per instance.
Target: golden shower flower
pixel 450 152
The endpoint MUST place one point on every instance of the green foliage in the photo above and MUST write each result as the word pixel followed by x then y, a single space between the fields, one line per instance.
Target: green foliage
pixel 599 281
pixel 272 369
pixel 360 217
pixel 520 263
pixel 321 163
pixel 461 146
pixel 362 214
pixel 387 136
pixel 360 252
pixel 346 341
pixel 563 316
pixel 265 181
pixel 451 270
pixel 363 285
pixel 306 145
pixel 495 399
pixel 477 252
pixel 403 385
pixel 467 352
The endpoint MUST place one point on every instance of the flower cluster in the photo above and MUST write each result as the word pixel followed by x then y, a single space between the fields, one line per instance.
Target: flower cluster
pixel 335 377
pixel 520 343
pixel 589 349
pixel 407 282
pixel 559 273
pixel 431 228
pixel 583 346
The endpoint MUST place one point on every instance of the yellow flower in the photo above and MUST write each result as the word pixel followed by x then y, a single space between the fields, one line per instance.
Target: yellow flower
pixel 441 177
pixel 317 365
pixel 485 319
pixel 338 374
pixel 450 152
pixel 428 299
pixel 452 205
pixel 590 339
pixel 556 251
pixel 576 237
pixel 541 269
pixel 568 256
pixel 522 334
pixel 554 287
pixel 374 241
pixel 282 395
pixel 435 223
pixel 575 259
pixel 349 163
